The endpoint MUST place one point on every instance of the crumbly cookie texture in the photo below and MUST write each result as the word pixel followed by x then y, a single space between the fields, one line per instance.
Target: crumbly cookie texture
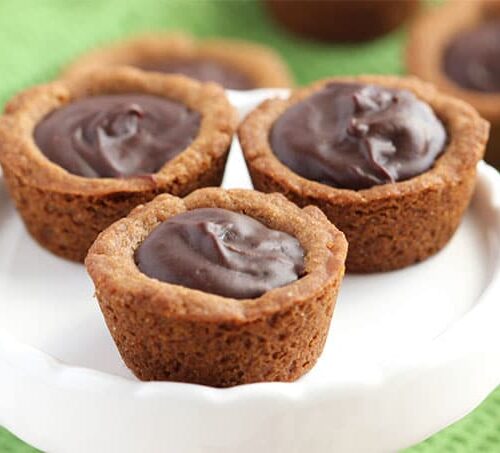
pixel 430 34
pixel 388 226
pixel 169 332
pixel 262 65
pixel 65 212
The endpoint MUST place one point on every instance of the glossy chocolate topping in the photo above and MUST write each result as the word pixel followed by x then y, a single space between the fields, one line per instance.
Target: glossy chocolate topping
pixel 472 59
pixel 116 135
pixel 220 252
pixel 203 70
pixel 357 136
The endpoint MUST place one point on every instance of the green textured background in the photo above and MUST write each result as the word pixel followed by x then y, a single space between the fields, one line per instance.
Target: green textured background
pixel 37 37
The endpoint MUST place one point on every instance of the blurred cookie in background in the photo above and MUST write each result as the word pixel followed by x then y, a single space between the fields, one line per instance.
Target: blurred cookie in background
pixel 234 64
pixel 342 20
pixel 456 46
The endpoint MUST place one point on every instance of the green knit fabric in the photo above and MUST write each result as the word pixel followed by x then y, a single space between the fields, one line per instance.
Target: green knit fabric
pixel 38 37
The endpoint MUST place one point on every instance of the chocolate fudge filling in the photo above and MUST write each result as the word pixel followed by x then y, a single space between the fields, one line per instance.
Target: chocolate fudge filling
pixel 220 252
pixel 116 135
pixel 356 136
pixel 203 70
pixel 472 59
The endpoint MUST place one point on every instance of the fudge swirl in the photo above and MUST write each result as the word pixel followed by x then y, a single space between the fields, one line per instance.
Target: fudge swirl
pixel 221 252
pixel 356 136
pixel 472 58
pixel 116 135
pixel 204 70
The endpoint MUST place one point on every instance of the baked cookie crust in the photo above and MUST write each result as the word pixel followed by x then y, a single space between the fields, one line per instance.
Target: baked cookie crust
pixel 262 65
pixel 65 212
pixel 169 332
pixel 388 226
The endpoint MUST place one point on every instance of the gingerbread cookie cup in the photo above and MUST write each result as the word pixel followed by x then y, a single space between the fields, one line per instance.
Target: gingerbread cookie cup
pixel 248 65
pixel 431 34
pixel 388 226
pixel 65 212
pixel 170 332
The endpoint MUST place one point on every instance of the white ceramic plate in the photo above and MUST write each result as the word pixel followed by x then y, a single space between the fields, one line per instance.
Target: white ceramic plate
pixel 409 352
